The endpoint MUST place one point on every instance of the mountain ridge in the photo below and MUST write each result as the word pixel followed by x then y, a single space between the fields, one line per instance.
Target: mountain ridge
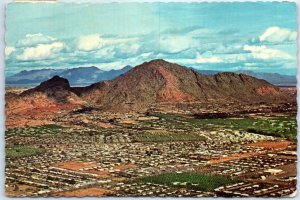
pixel 88 75
pixel 76 76
pixel 274 78
pixel 149 84
pixel 159 81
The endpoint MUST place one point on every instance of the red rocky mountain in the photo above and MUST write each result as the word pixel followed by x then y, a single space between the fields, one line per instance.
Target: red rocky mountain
pixel 159 81
pixel 148 84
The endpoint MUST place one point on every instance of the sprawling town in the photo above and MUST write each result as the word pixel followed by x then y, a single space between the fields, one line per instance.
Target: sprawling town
pixel 159 153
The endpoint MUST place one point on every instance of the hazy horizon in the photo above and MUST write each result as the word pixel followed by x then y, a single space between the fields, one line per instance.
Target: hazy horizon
pixel 119 68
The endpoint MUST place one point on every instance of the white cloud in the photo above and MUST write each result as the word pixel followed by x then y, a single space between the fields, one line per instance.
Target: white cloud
pixel 174 44
pixel 109 65
pixel 35 39
pixel 108 47
pixel 198 60
pixel 41 51
pixel 201 32
pixel 146 55
pixel 9 50
pixel 204 59
pixel 107 52
pixel 90 42
pixel 114 41
pixel 235 58
pixel 128 48
pixel 276 34
pixel 254 48
pixel 265 53
pixel 250 64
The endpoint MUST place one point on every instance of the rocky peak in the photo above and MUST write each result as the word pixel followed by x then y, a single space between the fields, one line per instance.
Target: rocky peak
pixel 157 63
pixel 56 82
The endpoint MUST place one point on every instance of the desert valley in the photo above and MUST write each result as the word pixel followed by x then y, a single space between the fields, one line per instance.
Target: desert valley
pixel 157 129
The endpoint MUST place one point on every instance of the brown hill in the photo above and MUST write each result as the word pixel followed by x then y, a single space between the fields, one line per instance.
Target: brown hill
pixel 159 81
pixel 153 83
pixel 56 89
pixel 38 105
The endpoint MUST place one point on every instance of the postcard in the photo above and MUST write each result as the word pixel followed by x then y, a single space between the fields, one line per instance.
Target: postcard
pixel 151 99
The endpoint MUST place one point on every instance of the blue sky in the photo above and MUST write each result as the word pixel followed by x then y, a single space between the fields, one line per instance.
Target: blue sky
pixel 217 36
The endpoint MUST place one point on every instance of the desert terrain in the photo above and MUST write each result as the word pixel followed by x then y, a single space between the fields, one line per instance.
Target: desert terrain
pixel 159 130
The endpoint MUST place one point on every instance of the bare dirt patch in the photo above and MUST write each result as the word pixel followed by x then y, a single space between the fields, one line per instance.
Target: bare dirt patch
pixel 75 165
pixel 87 192
pixel 123 167
pixel 271 144
pixel 128 121
pixel 19 190
pixel 23 122
pixel 265 90
pixel 232 157
pixel 104 125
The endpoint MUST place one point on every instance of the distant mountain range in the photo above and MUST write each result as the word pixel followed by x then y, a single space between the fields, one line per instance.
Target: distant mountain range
pixel 146 85
pixel 274 78
pixel 76 76
pixel 87 75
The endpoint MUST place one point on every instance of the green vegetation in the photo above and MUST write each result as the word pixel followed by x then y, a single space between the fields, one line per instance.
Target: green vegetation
pixel 52 126
pixel 167 137
pixel 50 129
pixel 168 116
pixel 19 151
pixel 189 180
pixel 281 126
pixel 284 126
pixel 170 121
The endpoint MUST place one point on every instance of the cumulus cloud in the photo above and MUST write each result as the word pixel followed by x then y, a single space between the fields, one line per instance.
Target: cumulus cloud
pixel 107 41
pixel 202 32
pixel 41 51
pixel 199 59
pixel 105 52
pixel 174 44
pixel 35 39
pixel 128 48
pixel 90 42
pixel 107 47
pixel 276 34
pixel 265 53
pixel 207 59
pixel 9 50
pixel 202 48
pixel 146 55
pixel 109 65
